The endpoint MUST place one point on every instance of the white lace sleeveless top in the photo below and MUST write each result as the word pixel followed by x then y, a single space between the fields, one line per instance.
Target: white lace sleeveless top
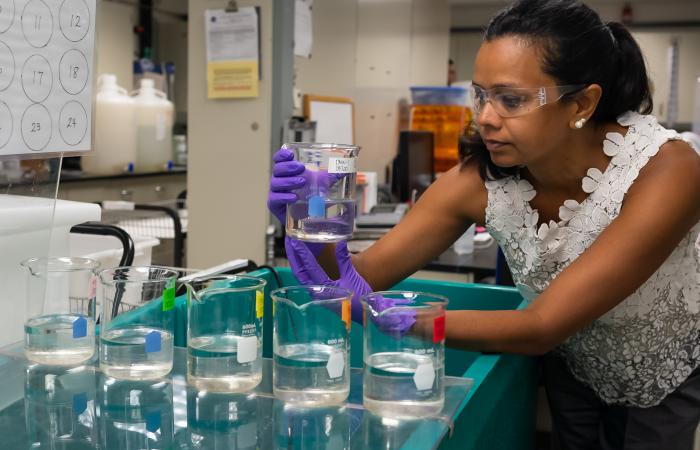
pixel 646 346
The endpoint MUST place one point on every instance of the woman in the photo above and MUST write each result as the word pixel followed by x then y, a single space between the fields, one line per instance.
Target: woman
pixel 597 209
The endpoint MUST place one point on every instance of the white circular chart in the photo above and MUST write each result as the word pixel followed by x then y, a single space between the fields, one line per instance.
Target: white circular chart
pixel 37 23
pixel 5 124
pixel 74 19
pixel 36 127
pixel 46 58
pixel 73 71
pixel 37 78
pixel 7 66
pixel 7 14
pixel 72 123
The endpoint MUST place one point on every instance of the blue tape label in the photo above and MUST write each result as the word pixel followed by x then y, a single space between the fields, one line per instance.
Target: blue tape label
pixel 317 206
pixel 153 421
pixel 153 342
pixel 79 403
pixel 79 328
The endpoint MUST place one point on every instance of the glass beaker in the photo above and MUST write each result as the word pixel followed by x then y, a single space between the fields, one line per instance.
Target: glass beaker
pixel 223 421
pixel 135 414
pixel 224 333
pixel 60 310
pixel 59 405
pixel 325 208
pixel 311 428
pixel 138 322
pixel 311 344
pixel 404 371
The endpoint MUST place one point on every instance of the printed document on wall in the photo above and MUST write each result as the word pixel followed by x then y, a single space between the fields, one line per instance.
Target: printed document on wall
pixel 303 28
pixel 232 53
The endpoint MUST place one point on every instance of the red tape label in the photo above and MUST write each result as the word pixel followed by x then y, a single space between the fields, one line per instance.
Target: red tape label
pixel 439 329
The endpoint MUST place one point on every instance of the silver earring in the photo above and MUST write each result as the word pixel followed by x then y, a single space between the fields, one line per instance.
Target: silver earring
pixel 579 123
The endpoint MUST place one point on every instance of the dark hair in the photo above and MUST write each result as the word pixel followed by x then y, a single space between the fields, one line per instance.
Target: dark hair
pixel 577 48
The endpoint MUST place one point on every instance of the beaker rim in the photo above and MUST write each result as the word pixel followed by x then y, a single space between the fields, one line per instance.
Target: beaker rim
pixel 342 294
pixel 60 264
pixel 259 283
pixel 436 299
pixel 167 274
pixel 320 146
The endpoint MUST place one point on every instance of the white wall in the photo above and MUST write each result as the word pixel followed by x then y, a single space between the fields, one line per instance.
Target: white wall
pixel 476 13
pixel 654 44
pixel 229 154
pixel 116 41
pixel 372 52
pixel 172 47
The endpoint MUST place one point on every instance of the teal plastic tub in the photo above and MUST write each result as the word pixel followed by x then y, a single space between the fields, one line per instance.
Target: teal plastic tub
pixel 498 413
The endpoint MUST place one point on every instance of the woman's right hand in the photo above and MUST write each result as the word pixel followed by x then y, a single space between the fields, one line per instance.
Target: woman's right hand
pixel 287 176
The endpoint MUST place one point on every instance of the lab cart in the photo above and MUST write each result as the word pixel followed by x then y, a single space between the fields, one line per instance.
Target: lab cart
pixel 490 398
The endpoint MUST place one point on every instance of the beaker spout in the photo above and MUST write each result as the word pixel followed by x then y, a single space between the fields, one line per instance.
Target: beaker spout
pixel 192 293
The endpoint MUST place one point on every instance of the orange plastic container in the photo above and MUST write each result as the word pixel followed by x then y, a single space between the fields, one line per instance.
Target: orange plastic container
pixel 446 122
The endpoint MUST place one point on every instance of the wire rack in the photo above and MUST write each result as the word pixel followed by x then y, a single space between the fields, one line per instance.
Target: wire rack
pixel 163 220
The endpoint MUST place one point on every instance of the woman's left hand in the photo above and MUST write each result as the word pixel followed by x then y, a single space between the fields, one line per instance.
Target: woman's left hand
pixel 308 271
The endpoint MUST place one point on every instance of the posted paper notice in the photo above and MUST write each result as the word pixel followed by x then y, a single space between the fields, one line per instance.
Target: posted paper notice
pixel 232 53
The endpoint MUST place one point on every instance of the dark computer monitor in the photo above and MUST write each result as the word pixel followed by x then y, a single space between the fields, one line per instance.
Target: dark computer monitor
pixel 412 169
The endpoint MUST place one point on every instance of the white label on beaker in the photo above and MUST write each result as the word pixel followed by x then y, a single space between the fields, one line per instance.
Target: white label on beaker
pixel 247 435
pixel 342 165
pixel 424 376
pixel 247 349
pixel 336 364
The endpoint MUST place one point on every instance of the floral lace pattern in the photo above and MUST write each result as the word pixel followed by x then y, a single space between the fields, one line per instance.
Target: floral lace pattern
pixel 641 350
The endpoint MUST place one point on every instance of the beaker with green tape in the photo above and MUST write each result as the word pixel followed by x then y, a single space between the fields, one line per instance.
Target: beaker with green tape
pixel 137 322
pixel 224 333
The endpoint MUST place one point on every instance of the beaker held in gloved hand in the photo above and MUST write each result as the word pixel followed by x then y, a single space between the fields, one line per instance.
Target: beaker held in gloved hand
pixel 404 368
pixel 325 207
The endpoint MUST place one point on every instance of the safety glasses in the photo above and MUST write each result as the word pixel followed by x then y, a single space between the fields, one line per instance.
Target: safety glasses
pixel 514 102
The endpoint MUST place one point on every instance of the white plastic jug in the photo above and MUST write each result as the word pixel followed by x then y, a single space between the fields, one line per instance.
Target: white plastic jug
pixel 114 149
pixel 154 130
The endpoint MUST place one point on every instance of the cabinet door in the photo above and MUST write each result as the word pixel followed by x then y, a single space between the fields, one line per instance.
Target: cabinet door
pixel 138 190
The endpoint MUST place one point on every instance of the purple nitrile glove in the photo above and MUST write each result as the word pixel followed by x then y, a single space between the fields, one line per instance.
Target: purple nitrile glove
pixel 308 271
pixel 287 176
pixel 392 322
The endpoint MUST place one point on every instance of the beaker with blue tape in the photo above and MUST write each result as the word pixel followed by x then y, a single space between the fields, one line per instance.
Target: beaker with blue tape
pixel 60 318
pixel 325 207
pixel 138 322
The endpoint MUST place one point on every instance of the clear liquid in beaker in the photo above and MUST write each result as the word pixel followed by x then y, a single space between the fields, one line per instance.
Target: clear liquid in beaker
pixel 391 386
pixel 224 363
pixel 337 224
pixel 302 376
pixel 49 340
pixel 134 354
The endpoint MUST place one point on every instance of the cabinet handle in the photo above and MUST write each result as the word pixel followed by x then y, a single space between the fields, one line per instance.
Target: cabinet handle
pixel 159 188
pixel 127 193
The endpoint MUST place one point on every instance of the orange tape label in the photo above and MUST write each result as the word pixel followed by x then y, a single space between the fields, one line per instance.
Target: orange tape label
pixel 346 314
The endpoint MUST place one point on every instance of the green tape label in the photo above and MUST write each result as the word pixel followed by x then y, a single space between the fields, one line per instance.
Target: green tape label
pixel 169 296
